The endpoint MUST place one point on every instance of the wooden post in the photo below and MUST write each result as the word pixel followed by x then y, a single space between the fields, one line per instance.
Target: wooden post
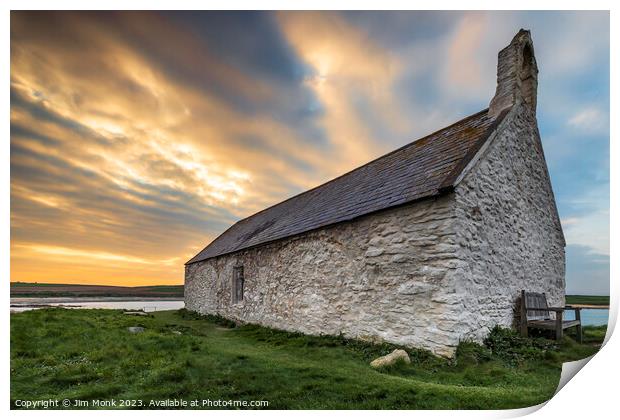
pixel 523 315
pixel 558 325
pixel 579 329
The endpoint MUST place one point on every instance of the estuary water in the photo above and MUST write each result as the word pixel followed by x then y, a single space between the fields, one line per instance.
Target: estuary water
pixel 145 304
pixel 590 316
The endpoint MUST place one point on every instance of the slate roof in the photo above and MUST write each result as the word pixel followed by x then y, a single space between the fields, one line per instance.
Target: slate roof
pixel 424 168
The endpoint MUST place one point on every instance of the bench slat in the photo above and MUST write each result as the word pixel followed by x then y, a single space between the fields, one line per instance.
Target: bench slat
pixel 539 302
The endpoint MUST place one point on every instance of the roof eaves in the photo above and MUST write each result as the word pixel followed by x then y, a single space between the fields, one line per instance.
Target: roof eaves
pixel 445 187
pixel 195 258
pixel 430 195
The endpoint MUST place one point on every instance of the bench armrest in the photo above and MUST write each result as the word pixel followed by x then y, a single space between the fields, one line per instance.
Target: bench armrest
pixel 566 308
pixel 554 309
pixel 546 309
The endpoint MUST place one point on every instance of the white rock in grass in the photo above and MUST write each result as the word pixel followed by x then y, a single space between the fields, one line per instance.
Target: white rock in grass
pixel 139 313
pixel 391 358
pixel 135 330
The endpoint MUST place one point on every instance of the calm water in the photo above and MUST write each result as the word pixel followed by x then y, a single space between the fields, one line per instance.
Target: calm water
pixel 590 316
pixel 148 305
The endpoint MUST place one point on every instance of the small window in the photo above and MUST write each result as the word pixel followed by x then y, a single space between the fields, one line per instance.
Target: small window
pixel 238 280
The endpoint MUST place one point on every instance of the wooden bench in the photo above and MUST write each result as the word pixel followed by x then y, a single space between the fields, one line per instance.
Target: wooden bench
pixel 536 313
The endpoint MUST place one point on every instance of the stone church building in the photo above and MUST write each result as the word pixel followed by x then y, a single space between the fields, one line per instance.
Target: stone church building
pixel 425 246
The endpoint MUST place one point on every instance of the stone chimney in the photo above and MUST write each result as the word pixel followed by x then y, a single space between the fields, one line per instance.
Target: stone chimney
pixel 517 75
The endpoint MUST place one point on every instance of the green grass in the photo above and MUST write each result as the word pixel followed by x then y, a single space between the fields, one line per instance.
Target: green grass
pixel 586 300
pixel 89 354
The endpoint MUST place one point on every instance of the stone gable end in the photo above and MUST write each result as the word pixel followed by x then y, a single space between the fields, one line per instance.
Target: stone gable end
pixel 507 228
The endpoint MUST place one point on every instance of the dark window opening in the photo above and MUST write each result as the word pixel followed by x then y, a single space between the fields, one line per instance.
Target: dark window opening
pixel 528 76
pixel 527 57
pixel 238 281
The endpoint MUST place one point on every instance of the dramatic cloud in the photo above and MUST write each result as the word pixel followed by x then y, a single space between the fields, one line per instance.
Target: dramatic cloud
pixel 353 81
pixel 590 119
pixel 136 138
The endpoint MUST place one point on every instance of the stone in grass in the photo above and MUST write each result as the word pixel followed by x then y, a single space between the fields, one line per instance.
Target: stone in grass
pixel 390 359
pixel 135 330
pixel 137 313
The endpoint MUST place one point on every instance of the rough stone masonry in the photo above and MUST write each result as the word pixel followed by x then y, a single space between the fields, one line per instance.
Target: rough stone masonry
pixel 426 246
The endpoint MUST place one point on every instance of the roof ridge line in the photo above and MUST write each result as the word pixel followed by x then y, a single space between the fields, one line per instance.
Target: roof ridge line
pixel 451 178
pixel 353 172
pixel 364 165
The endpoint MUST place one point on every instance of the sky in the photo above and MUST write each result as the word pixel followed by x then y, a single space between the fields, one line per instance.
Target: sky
pixel 138 137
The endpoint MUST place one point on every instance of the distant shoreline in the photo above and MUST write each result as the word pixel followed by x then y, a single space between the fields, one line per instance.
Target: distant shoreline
pixel 17 301
pixel 51 290
pixel 575 300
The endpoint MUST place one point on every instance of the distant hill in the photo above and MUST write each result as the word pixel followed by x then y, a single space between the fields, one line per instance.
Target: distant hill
pixel 587 300
pixel 20 289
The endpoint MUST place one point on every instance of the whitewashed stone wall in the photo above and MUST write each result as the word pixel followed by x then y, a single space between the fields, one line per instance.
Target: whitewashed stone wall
pixel 508 232
pixel 428 274
pixel 383 277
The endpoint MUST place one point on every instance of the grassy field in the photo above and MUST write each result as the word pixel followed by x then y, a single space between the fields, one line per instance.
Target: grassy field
pixel 89 354
pixel 586 300
pixel 22 289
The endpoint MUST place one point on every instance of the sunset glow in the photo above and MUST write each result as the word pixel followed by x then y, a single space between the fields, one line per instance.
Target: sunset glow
pixel 137 138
